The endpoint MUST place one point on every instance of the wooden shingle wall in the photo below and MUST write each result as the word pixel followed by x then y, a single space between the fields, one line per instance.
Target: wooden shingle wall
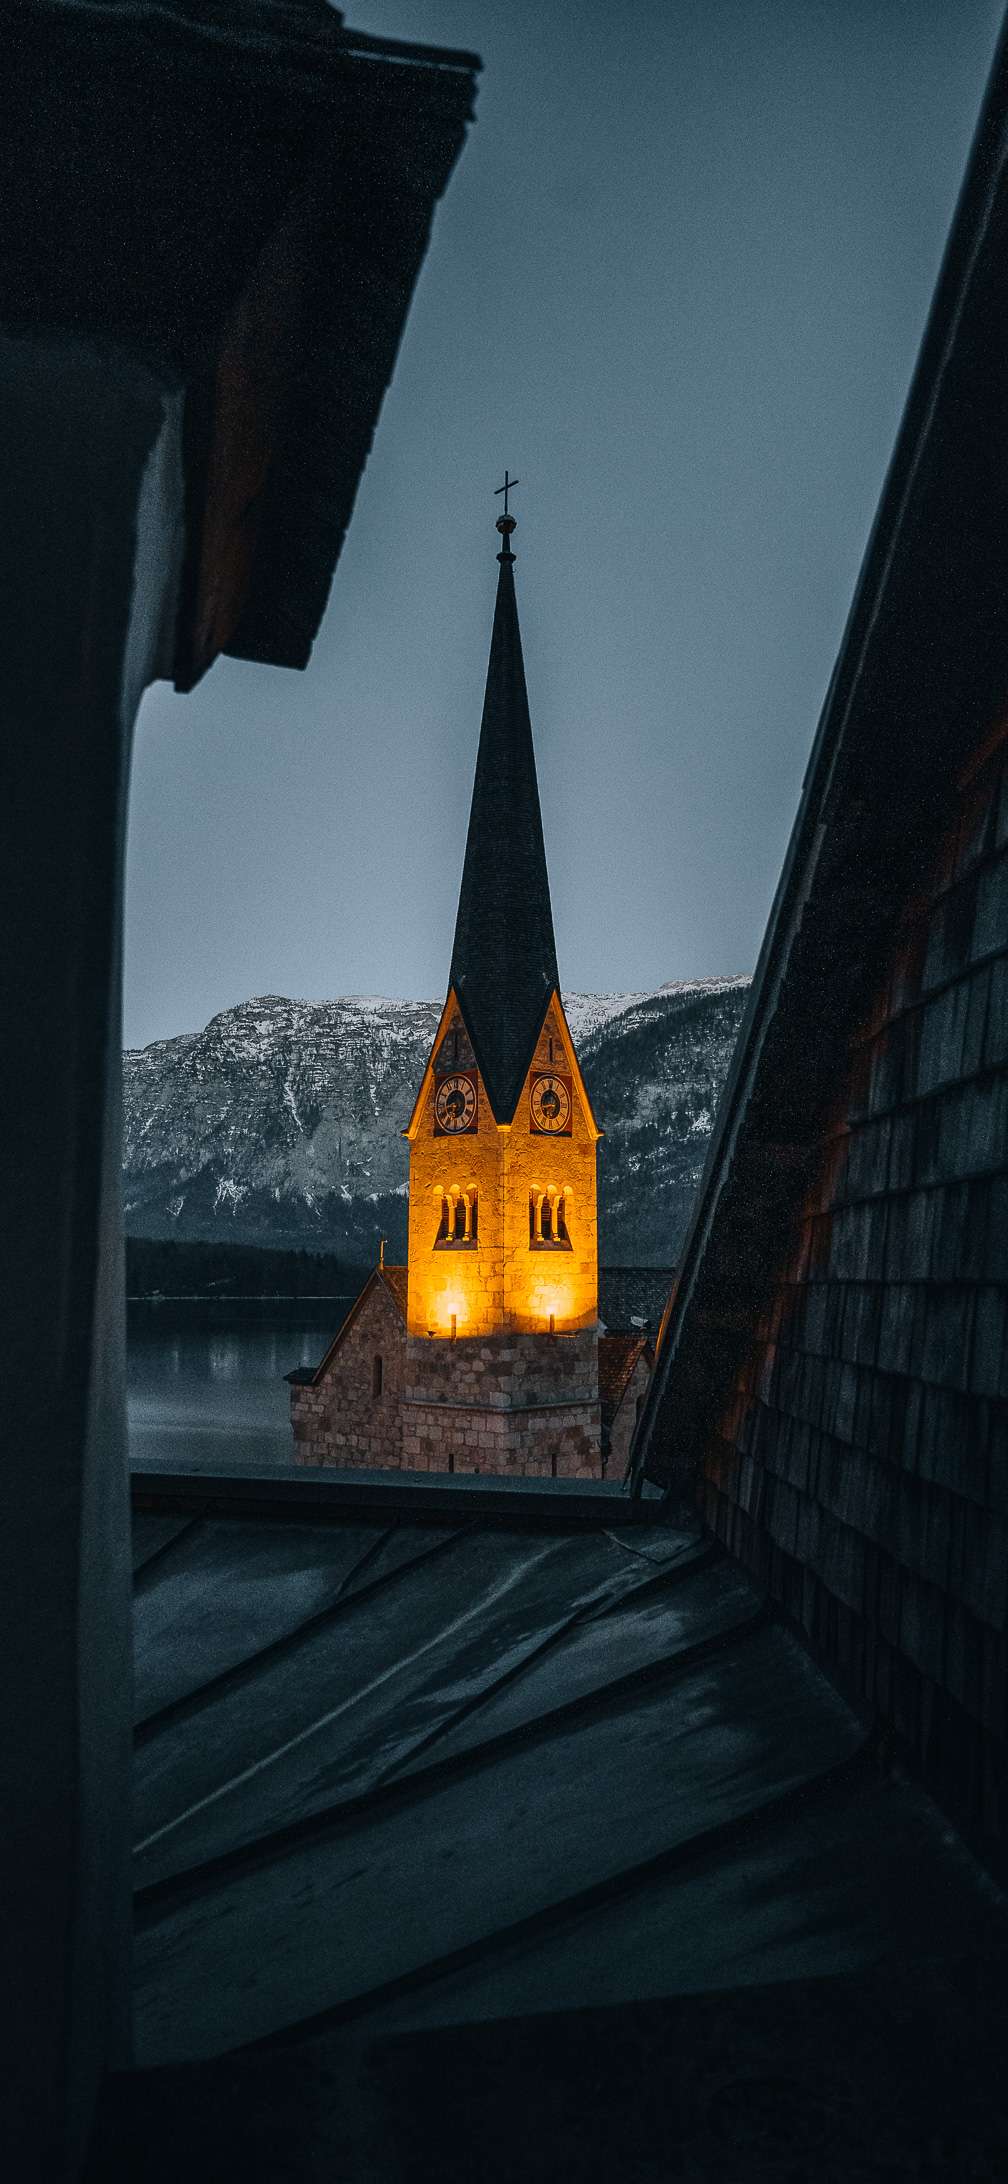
pixel 861 1468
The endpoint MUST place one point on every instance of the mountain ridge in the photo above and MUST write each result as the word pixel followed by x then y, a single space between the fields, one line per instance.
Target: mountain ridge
pixel 280 1122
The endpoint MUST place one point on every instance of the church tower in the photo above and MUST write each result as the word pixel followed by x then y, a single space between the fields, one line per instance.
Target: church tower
pixel 502 1312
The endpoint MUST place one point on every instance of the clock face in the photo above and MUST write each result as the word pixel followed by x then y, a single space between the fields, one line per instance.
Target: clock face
pixel 551 1103
pixel 455 1103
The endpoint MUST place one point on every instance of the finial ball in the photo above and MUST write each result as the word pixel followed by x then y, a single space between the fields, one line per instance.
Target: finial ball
pixel 506 524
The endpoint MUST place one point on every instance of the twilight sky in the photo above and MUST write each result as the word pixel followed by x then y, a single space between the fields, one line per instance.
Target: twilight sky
pixel 677 284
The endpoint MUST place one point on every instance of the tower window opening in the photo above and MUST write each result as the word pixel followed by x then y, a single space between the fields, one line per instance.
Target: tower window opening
pixel 548 1215
pixel 458 1218
pixel 377 1376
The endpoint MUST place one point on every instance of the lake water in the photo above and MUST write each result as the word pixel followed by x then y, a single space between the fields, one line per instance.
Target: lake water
pixel 206 1390
pixel 205 1385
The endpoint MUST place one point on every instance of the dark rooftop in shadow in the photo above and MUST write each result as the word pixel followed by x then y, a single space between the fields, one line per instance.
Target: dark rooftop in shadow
pixel 499 1805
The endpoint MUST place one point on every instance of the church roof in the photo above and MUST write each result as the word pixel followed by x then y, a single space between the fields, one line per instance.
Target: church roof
pixel 394 1279
pixel 618 1356
pixel 504 967
pixel 632 1299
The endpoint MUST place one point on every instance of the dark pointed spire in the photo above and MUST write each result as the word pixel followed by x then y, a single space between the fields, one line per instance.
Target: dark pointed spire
pixel 504 966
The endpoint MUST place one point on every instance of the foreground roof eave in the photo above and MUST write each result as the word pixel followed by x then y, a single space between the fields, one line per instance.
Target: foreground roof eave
pixel 369 44
pixel 932 418
pixel 314 28
pixel 300 165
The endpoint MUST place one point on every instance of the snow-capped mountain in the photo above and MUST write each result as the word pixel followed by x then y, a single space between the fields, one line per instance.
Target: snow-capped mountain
pixel 281 1122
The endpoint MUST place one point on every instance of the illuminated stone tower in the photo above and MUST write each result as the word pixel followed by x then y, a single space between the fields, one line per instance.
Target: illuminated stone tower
pixel 502 1315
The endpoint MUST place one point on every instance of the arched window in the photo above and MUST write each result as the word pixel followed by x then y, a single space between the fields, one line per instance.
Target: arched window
pixel 377 1375
pixel 549 1213
pixel 457 1208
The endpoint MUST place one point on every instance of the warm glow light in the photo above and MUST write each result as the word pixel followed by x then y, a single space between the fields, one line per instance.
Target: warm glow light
pixel 552 1305
pixel 483 1261
pixel 452 1313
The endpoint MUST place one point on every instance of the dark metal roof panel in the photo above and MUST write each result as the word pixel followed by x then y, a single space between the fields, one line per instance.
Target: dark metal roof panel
pixel 362 1782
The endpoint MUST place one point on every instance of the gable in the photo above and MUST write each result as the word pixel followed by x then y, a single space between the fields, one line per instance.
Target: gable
pixel 453 1046
pixel 450 1023
pixel 554 1049
pixel 397 1283
pixel 619 1357
pixel 381 1301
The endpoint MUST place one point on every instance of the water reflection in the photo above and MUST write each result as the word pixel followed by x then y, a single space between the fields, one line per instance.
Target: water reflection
pixel 212 1397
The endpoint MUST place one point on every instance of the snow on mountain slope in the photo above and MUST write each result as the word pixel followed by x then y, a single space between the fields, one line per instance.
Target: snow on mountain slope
pixel 655 1073
pixel 588 1012
pixel 280 1122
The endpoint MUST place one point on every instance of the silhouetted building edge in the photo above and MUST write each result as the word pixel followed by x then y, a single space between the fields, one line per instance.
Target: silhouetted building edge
pixel 830 1383
pixel 211 222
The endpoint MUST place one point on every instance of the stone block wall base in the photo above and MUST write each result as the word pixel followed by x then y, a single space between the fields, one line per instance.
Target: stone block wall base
pixel 514 1405
pixel 561 1441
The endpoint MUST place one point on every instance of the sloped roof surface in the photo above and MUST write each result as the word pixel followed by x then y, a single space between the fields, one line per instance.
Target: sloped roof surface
pixel 504 966
pixel 629 1293
pixel 617 1356
pixel 394 1279
pixel 366 1746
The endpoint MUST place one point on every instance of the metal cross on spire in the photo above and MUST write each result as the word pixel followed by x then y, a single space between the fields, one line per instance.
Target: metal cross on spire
pixel 507 487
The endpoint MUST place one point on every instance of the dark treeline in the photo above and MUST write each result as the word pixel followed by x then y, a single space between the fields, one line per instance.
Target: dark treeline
pixel 159 1266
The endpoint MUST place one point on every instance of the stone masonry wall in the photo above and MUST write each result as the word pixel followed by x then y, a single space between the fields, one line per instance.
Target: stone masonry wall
pixel 862 1468
pixel 518 1404
pixel 621 1430
pixel 341 1420
pixel 561 1280
pixel 467 1280
pixel 503 1281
